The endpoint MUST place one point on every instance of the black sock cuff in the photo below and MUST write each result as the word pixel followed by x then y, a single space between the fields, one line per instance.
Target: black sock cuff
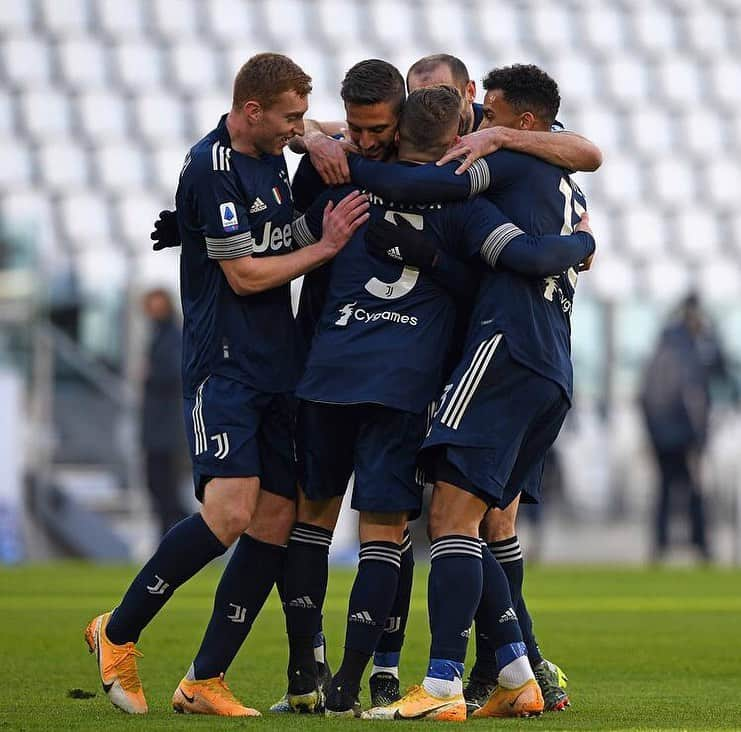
pixel 208 536
pixel 311 535
pixel 455 545
pixel 380 551
pixel 507 550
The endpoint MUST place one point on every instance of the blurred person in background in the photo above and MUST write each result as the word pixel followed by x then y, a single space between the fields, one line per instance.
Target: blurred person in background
pixel 162 434
pixel 675 399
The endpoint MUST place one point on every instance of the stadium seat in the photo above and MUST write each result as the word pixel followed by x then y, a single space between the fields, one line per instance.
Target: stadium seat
pixel 444 25
pixel 286 22
pixel 229 20
pixel 613 279
pixel 719 280
pixel 83 63
pixel 578 79
pixel 160 117
pixel 602 28
pixel 17 166
pixel 7 113
pixel 84 218
pixel 704 29
pixel 26 62
pixel 46 113
pixel 497 26
pixel 673 181
pixel 26 205
pixel 392 23
pixel 194 66
pixel 65 17
pixel 136 213
pixel 552 27
pixel 167 161
pixel 601 125
pixel 725 72
pixel 698 233
pixel 207 110
pixel 139 64
pixel 324 77
pixel 627 79
pixel 624 185
pixel 157 269
pixel 102 271
pixel 63 164
pixel 340 22
pixel 15 17
pixel 174 19
pixel 121 166
pixel 103 115
pixel 723 182
pixel 653 29
pixel 703 132
pixel 643 232
pixel 679 79
pixel 666 280
pixel 650 130
pixel 120 19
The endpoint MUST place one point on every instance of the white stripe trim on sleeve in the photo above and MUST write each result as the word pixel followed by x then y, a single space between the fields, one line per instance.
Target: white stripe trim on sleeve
pixel 231 247
pixel 479 177
pixel 496 241
pixel 302 235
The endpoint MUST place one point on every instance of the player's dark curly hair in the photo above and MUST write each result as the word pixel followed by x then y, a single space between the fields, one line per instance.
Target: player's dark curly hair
pixel 527 88
pixel 373 81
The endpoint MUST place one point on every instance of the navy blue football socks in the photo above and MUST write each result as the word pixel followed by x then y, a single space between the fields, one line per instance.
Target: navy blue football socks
pixel 184 550
pixel 528 636
pixel 388 649
pixel 456 563
pixel 305 586
pixel 245 585
pixel 496 620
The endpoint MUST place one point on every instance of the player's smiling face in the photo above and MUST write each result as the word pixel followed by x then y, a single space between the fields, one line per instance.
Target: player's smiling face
pixel 372 127
pixel 281 121
pixel 499 112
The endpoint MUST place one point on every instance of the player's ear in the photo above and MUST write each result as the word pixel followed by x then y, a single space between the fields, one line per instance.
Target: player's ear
pixel 527 121
pixel 252 110
pixel 470 90
pixel 396 137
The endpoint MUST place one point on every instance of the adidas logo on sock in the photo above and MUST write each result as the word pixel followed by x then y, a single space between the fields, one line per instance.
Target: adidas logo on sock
pixel 362 617
pixel 508 616
pixel 257 206
pixel 304 602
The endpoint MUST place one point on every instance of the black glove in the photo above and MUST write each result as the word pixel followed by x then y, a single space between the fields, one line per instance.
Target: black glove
pixel 400 242
pixel 165 232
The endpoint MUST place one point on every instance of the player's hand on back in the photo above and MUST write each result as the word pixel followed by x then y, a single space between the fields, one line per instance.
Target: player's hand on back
pixel 400 242
pixel 165 232
pixel 473 146
pixel 329 157
pixel 583 225
pixel 341 220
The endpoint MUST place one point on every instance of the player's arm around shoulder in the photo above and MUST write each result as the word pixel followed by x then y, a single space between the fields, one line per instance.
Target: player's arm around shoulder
pixel 564 149
pixel 248 275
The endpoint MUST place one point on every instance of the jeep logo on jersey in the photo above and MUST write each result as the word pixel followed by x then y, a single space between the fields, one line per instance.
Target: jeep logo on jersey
pixel 349 311
pixel 228 213
pixel 275 238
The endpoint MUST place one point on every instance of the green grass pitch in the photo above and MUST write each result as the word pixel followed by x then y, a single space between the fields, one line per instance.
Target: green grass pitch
pixel 644 649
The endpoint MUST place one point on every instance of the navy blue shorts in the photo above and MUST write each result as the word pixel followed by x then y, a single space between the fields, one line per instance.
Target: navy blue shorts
pixel 378 443
pixel 495 423
pixel 235 431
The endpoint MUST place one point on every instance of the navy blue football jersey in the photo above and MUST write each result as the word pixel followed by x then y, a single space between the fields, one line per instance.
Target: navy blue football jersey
pixel 231 205
pixel 540 198
pixel 385 329
pixel 478 115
